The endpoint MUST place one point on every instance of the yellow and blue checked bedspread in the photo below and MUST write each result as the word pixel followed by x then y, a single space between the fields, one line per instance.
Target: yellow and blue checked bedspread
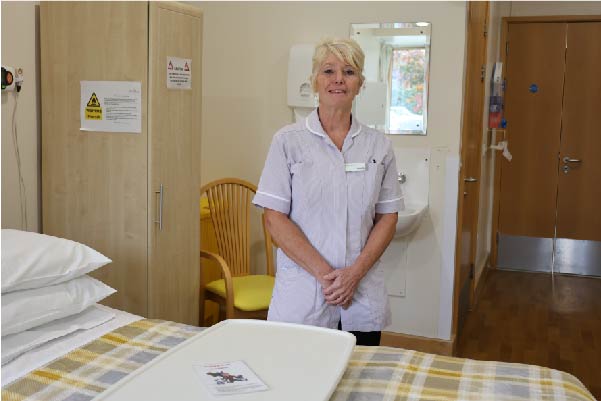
pixel 373 373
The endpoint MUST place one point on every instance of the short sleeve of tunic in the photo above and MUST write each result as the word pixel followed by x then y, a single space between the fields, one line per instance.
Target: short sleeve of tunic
pixel 274 191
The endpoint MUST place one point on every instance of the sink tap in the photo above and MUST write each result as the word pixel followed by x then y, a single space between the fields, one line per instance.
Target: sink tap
pixel 402 178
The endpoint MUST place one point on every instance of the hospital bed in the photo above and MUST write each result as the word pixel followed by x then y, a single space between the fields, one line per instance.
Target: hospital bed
pixel 85 363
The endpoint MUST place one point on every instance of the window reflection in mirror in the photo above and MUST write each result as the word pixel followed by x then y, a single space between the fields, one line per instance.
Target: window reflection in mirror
pixel 394 97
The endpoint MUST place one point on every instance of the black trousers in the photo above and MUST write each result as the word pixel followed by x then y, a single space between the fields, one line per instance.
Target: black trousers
pixel 365 337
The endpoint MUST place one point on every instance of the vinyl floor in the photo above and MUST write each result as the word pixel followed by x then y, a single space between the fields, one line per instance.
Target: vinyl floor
pixel 539 319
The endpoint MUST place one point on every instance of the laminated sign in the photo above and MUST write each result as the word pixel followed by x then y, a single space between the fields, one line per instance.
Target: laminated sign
pixel 179 73
pixel 111 106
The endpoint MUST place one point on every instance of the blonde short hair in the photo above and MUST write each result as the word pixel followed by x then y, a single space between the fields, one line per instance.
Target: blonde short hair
pixel 346 50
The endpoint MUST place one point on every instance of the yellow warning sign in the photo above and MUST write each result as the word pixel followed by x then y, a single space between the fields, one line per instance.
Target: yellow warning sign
pixel 93 108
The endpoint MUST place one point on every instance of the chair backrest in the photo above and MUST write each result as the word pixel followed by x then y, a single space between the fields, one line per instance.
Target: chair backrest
pixel 229 202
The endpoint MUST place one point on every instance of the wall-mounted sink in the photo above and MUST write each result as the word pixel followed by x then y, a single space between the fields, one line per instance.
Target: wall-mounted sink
pixel 413 165
pixel 410 218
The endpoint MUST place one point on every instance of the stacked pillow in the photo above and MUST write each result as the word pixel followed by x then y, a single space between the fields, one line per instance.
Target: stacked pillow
pixel 46 291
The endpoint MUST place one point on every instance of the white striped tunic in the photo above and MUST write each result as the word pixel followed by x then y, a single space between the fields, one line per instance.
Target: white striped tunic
pixel 309 179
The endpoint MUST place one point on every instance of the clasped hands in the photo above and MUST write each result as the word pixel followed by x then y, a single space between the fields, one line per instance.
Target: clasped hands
pixel 339 286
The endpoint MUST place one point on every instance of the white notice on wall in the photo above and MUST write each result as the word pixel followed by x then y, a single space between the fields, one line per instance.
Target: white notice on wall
pixel 179 73
pixel 111 106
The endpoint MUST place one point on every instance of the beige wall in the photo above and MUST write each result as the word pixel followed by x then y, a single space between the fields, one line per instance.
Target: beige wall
pixel 245 62
pixel 19 49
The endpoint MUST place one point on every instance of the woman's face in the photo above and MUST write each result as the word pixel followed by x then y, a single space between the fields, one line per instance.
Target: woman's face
pixel 337 83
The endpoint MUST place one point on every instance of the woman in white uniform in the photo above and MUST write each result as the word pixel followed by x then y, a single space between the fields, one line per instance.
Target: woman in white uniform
pixel 330 193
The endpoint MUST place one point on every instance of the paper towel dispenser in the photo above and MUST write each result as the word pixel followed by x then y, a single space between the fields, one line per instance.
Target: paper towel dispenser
pixel 300 66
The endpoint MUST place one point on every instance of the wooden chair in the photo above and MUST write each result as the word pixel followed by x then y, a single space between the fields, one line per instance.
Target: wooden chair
pixel 240 293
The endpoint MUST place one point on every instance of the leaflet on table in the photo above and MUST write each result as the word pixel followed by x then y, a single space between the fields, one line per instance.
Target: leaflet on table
pixel 227 378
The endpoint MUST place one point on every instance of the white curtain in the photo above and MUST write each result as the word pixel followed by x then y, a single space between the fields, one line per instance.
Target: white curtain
pixel 385 62
pixel 384 74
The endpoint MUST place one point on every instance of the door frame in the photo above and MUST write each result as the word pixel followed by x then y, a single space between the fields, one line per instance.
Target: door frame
pixel 472 67
pixel 505 21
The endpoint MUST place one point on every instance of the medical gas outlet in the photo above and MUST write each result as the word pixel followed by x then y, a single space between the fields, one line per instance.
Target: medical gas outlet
pixel 11 79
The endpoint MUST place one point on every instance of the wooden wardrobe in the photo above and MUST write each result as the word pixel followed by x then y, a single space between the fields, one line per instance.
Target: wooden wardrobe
pixel 103 188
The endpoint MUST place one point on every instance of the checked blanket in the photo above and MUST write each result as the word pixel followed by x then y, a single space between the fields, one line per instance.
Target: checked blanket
pixel 373 373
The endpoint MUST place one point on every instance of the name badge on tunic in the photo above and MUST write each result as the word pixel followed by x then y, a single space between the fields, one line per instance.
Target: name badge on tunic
pixel 354 167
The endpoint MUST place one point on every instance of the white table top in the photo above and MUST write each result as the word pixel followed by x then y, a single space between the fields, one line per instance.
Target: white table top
pixel 296 362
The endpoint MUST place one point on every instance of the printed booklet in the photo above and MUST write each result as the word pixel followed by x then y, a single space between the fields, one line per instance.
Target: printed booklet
pixel 229 378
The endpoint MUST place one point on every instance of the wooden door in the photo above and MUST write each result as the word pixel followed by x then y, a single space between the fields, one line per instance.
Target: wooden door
pixel 578 244
pixel 528 183
pixel 471 141
pixel 174 134
pixel 578 211
pixel 94 187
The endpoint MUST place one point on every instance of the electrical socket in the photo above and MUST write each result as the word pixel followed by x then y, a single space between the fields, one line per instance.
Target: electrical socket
pixel 19 79
pixel 8 78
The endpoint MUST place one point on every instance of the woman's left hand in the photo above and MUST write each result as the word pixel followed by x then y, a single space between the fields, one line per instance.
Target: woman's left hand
pixel 342 289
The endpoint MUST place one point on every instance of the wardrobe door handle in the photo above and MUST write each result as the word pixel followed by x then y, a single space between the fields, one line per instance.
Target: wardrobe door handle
pixel 160 220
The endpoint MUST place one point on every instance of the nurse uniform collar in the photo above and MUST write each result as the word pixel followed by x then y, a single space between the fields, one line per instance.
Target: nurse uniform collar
pixel 313 125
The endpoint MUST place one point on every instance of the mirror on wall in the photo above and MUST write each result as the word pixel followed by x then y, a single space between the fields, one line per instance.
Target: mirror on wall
pixel 394 97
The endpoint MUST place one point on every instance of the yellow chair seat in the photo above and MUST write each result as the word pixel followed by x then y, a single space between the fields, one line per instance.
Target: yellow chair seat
pixel 251 293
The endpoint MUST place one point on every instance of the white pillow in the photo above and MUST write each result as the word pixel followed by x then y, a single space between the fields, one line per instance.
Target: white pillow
pixel 22 310
pixel 16 344
pixel 32 260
